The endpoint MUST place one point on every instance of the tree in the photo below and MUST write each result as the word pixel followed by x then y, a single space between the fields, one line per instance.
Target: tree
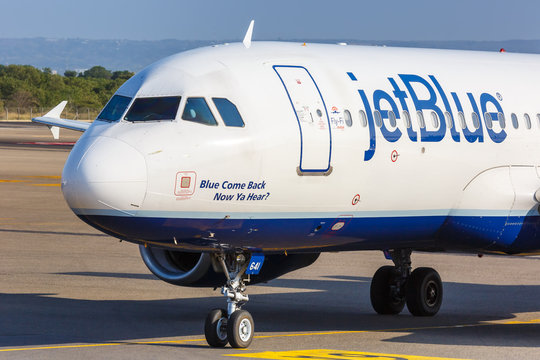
pixel 122 75
pixel 97 72
pixel 70 73
pixel 22 99
pixel 26 73
pixel 24 86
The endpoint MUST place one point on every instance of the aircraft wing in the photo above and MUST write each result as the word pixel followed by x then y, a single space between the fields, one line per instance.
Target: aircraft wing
pixel 54 122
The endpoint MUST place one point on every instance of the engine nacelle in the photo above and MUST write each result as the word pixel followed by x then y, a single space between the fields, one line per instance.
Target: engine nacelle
pixel 196 269
pixel 181 268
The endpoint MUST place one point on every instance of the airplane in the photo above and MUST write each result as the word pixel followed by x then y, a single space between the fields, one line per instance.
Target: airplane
pixel 238 163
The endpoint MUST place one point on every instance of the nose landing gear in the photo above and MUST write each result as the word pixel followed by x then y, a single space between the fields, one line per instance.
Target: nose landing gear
pixel 393 286
pixel 234 326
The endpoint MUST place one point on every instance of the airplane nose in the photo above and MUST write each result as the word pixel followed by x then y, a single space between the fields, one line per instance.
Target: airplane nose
pixel 104 175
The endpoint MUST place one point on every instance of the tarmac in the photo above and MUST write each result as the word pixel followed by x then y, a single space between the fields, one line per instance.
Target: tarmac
pixel 68 291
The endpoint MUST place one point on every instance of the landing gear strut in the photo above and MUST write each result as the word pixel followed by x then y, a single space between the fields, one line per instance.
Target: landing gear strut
pixel 393 286
pixel 234 326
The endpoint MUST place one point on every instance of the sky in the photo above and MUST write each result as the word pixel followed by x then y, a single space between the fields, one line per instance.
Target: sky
pixel 274 19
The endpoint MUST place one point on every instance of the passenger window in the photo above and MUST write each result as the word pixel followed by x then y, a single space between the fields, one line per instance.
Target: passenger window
pixel 406 119
pixel 475 120
pixel 115 108
pixel 229 113
pixel 487 118
pixel 197 110
pixel 515 122
pixel 392 118
pixel 448 118
pixel 527 121
pixel 461 117
pixel 435 119
pixel 378 118
pixel 420 118
pixel 348 118
pixel 153 109
pixel 363 118
pixel 502 120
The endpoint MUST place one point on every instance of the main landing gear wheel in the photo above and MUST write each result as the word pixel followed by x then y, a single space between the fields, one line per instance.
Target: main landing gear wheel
pixel 392 286
pixel 215 328
pixel 424 292
pixel 384 295
pixel 240 329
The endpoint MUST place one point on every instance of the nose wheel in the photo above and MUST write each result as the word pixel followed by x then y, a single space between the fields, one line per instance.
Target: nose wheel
pixel 233 326
pixel 240 329
pixel 215 328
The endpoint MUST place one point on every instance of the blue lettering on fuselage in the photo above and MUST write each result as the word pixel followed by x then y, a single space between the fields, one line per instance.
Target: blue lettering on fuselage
pixel 425 104
pixel 379 96
pixel 415 88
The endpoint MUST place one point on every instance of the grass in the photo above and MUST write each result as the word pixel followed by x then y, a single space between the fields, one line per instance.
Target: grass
pixel 23 114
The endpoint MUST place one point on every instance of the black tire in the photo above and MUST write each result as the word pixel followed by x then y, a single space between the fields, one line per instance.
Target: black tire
pixel 382 299
pixel 215 328
pixel 240 329
pixel 424 292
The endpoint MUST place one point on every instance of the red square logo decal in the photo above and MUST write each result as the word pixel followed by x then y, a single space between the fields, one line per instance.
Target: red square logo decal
pixel 185 183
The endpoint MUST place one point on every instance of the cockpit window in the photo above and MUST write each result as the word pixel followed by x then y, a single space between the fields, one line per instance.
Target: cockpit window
pixel 114 108
pixel 152 109
pixel 229 113
pixel 197 110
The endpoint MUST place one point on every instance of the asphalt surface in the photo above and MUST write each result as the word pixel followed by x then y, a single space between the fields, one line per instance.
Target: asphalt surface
pixel 67 291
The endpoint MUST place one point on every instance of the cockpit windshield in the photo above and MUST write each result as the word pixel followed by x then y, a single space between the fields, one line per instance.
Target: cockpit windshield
pixel 153 109
pixel 197 110
pixel 229 113
pixel 114 108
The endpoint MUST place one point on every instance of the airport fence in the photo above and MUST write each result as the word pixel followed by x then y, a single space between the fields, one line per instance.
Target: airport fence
pixel 26 114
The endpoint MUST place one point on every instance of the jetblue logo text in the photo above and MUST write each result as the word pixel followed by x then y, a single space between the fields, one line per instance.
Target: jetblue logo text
pixel 434 99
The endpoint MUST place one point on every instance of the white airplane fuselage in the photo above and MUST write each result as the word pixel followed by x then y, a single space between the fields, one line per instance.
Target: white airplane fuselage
pixel 299 176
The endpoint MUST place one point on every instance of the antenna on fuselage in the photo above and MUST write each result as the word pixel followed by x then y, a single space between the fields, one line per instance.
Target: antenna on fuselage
pixel 249 34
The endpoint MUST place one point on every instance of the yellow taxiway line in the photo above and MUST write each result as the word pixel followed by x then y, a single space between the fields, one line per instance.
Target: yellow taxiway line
pixel 324 354
pixel 80 346
pixel 31 180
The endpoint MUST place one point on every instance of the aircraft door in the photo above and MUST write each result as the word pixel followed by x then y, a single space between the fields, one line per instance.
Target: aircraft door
pixel 310 111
